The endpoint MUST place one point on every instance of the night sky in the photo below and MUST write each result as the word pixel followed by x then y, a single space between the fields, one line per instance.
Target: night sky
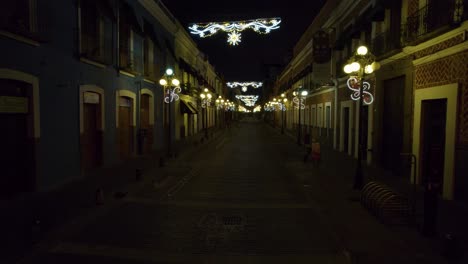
pixel 243 62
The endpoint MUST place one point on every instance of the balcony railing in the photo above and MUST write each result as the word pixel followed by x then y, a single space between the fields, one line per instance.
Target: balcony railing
pixel 433 17
pixel 385 42
pixel 94 49
pixel 130 60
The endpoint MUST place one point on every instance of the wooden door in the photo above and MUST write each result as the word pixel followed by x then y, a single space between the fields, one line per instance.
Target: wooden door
pixel 145 123
pixel 91 143
pixel 433 121
pixel 17 145
pixel 392 134
pixel 125 128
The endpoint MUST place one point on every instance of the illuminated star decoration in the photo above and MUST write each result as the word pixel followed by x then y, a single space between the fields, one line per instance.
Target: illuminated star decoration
pixel 261 26
pixel 354 84
pixel 234 38
pixel 244 85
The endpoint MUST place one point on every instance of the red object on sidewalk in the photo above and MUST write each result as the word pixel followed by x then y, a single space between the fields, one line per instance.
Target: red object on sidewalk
pixel 315 155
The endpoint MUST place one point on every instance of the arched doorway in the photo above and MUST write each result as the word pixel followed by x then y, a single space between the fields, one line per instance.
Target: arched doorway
pixel 125 127
pixel 17 139
pixel 91 126
pixel 146 121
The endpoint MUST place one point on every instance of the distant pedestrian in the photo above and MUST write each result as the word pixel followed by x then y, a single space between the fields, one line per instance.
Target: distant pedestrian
pixel 316 154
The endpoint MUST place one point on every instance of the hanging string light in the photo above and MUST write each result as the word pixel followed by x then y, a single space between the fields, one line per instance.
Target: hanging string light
pixel 233 28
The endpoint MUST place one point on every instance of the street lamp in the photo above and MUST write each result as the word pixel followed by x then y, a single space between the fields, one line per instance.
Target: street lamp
pixel 219 105
pixel 298 99
pixel 205 103
pixel 283 109
pixel 171 86
pixel 361 63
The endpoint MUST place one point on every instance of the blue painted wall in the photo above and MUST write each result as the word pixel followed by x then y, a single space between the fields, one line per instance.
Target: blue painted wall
pixel 60 75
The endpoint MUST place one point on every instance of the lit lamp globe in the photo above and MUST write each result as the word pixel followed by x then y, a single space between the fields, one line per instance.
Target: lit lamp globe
pixel 304 93
pixel 362 50
pixel 285 100
pixel 202 96
pixel 163 82
pixel 347 68
pixel 368 69
pixel 209 96
pixel 175 82
pixel 355 66
pixel 294 93
pixel 169 72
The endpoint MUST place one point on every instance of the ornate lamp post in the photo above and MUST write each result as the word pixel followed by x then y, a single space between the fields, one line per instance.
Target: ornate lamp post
pixel 219 106
pixel 171 86
pixel 298 99
pixel 283 110
pixel 361 63
pixel 205 103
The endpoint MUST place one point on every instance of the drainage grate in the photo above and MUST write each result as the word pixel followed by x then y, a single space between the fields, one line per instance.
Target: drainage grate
pixel 232 220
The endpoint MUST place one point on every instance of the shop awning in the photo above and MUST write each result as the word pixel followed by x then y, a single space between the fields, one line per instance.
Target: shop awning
pixel 187 108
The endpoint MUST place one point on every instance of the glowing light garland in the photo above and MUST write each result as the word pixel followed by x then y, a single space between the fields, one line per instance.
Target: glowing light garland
pixel 354 85
pixel 261 26
pixel 244 85
pixel 171 95
pixel 249 100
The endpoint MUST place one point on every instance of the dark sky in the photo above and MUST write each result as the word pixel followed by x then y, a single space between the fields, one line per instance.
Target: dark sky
pixel 243 62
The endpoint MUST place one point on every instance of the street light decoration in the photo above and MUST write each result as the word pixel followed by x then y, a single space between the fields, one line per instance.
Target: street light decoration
pixel 219 103
pixel 249 100
pixel 354 85
pixel 244 85
pixel 298 99
pixel 233 28
pixel 171 86
pixel 206 98
pixel 361 63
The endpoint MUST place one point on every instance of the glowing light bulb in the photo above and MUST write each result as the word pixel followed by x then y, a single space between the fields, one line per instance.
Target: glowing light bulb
pixel 347 68
pixel 175 82
pixel 163 82
pixel 202 96
pixel 368 69
pixel 355 66
pixel 169 72
pixel 362 50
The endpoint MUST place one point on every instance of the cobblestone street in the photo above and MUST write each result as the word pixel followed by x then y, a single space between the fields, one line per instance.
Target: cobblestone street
pixel 234 202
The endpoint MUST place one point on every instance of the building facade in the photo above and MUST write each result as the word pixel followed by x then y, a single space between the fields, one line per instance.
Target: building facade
pixel 420 91
pixel 79 87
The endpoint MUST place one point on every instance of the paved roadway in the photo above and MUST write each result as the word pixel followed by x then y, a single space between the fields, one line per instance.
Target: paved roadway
pixel 235 202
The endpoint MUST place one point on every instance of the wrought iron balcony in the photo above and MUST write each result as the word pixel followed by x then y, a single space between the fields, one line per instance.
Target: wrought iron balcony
pixel 130 60
pixel 386 42
pixel 93 49
pixel 434 17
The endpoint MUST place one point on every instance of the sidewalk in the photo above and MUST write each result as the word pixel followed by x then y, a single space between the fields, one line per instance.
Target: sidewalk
pixel 27 221
pixel 361 234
